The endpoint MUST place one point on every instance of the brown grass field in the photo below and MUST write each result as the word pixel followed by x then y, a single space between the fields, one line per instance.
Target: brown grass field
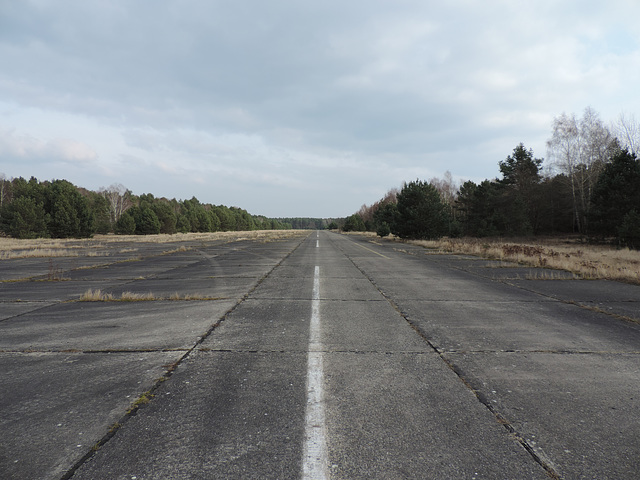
pixel 103 245
pixel 585 260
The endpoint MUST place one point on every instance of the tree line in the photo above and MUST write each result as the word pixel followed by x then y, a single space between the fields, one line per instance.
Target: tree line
pixel 591 188
pixel 59 209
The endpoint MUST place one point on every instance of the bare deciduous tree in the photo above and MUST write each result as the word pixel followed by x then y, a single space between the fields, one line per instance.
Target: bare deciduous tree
pixel 446 187
pixel 580 149
pixel 4 183
pixel 119 198
pixel 627 130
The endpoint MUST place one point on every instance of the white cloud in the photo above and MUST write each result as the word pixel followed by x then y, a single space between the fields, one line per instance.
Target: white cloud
pixel 27 148
pixel 263 100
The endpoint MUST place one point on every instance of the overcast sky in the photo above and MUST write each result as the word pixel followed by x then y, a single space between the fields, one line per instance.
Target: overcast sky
pixel 294 107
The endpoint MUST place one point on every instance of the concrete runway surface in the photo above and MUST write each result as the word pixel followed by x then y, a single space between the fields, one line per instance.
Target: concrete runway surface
pixel 324 356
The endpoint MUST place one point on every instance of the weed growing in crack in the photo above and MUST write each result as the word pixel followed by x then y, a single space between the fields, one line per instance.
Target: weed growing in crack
pixel 55 274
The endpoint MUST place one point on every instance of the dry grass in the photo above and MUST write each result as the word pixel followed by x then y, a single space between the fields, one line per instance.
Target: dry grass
pixel 258 235
pixel 36 252
pixel 99 296
pixel 587 261
pixel 105 245
pixel 96 295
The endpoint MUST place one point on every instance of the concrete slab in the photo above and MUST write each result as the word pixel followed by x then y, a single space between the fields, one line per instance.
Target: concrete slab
pixel 584 290
pixel 222 288
pixel 343 269
pixel 22 268
pixel 46 291
pixel 564 407
pixel 263 325
pixel 626 309
pixel 286 288
pixel 206 270
pixel 348 289
pixel 45 268
pixel 407 416
pixel 112 326
pixel 460 286
pixel 362 326
pixel 543 325
pixel 611 297
pixel 55 407
pixel 220 415
pixel 12 309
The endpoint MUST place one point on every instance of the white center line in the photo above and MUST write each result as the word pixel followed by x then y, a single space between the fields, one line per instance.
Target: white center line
pixel 315 459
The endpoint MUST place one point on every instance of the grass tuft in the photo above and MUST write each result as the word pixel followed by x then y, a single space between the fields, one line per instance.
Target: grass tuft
pixel 95 296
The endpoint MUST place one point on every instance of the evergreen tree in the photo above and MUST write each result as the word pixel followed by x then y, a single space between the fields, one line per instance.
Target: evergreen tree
pixel 616 194
pixel 126 225
pixel 521 181
pixel 354 223
pixel 69 214
pixel 421 213
pixel 24 218
pixel 166 216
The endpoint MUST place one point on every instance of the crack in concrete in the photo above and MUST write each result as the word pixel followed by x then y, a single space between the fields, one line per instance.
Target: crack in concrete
pixel 304 351
pixel 553 352
pixel 94 351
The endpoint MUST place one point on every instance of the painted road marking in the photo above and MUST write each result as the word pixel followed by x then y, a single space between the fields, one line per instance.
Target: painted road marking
pixel 315 460
pixel 372 251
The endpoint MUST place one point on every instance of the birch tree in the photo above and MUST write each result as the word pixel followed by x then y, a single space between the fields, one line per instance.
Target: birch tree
pixel 119 198
pixel 627 131
pixel 580 149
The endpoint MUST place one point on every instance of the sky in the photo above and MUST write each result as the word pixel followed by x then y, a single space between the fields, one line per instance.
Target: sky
pixel 297 108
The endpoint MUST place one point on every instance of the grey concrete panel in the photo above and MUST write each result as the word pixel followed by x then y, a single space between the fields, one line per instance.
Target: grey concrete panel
pixel 48 291
pixel 365 326
pixel 456 286
pixel 11 309
pixel 231 287
pixel 286 288
pixel 542 325
pixel 221 415
pixel 585 290
pixel 22 268
pixel 348 289
pixel 581 412
pixel 264 325
pixel 113 325
pixel 408 416
pixel 343 269
pixel 55 407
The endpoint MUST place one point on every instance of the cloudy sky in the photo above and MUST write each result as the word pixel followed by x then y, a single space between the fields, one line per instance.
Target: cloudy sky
pixel 295 107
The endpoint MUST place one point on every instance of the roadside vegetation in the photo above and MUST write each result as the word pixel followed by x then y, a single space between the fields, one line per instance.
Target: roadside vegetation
pixel 590 189
pixel 59 209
